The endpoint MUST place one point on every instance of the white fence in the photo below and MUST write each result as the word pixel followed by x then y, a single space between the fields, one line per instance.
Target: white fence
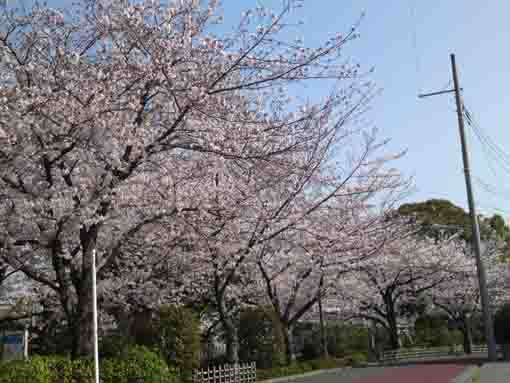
pixel 426 353
pixel 240 373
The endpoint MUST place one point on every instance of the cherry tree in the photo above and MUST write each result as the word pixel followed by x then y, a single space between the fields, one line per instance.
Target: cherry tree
pixel 460 297
pixel 384 290
pixel 300 269
pixel 119 118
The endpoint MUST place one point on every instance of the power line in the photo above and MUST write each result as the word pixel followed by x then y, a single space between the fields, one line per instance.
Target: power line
pixel 499 154
pixel 414 39
pixel 492 152
pixel 491 190
pixel 488 154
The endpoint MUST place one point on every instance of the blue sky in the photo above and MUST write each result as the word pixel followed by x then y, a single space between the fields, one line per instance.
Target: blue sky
pixel 478 33
pixel 409 42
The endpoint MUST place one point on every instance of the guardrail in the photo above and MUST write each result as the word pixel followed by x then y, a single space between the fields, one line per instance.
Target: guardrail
pixel 434 352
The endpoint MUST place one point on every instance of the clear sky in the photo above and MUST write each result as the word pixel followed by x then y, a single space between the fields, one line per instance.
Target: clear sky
pixel 409 42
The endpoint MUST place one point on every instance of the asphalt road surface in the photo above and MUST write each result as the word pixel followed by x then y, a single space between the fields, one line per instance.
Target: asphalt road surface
pixel 428 373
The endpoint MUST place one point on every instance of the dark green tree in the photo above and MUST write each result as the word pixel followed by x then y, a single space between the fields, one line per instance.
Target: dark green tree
pixel 178 338
pixel 256 337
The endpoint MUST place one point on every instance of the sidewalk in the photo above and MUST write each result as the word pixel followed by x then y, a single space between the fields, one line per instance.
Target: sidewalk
pixel 495 373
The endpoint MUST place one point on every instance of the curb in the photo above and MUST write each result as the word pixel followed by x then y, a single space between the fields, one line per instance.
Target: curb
pixel 306 375
pixel 467 376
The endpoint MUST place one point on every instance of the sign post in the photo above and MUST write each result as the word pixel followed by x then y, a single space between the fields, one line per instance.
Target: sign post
pixel 14 345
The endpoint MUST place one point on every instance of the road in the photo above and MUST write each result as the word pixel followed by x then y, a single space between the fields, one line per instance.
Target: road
pixel 429 373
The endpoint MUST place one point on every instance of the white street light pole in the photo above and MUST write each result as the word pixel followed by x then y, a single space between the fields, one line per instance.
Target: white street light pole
pixel 94 317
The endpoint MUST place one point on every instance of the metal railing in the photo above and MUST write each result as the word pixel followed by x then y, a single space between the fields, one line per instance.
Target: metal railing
pixel 430 353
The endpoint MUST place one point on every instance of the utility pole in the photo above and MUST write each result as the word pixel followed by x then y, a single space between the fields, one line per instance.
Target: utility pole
pixel 482 280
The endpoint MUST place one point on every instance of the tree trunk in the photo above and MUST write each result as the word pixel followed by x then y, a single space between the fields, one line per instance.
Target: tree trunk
pixel 324 340
pixel 391 317
pixel 278 336
pixel 230 328
pixel 393 333
pixel 232 342
pixel 467 336
pixel 506 352
pixel 82 328
pixel 289 343
pixel 372 348
pixel 83 346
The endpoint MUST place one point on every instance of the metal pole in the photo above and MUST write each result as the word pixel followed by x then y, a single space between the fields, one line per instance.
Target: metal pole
pixel 484 296
pixel 25 343
pixel 94 319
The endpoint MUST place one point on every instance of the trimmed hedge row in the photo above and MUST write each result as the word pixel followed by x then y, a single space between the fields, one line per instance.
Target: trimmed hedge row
pixel 136 363
pixel 308 366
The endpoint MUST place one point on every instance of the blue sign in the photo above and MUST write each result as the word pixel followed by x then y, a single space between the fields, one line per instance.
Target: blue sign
pixel 12 339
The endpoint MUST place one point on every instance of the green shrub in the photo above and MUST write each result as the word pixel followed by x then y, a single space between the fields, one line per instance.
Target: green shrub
pixel 261 338
pixel 36 370
pixel 343 339
pixel 324 364
pixel 113 345
pixel 357 359
pixel 311 349
pixel 502 324
pixel 64 370
pixel 179 339
pixel 255 337
pixel 137 362
pixel 298 368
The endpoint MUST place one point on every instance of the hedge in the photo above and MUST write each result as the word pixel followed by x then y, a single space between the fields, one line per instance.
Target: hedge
pixel 137 362
pixel 299 368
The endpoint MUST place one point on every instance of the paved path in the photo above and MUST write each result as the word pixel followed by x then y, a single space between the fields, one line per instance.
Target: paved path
pixel 495 373
pixel 430 373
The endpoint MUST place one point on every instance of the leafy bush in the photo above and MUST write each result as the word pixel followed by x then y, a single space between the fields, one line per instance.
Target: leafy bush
pixel 357 359
pixel 64 370
pixel 36 370
pixel 255 337
pixel 324 364
pixel 137 362
pixel 502 324
pixel 299 368
pixel 432 331
pixel 261 338
pixel 113 345
pixel 345 339
pixel 179 339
